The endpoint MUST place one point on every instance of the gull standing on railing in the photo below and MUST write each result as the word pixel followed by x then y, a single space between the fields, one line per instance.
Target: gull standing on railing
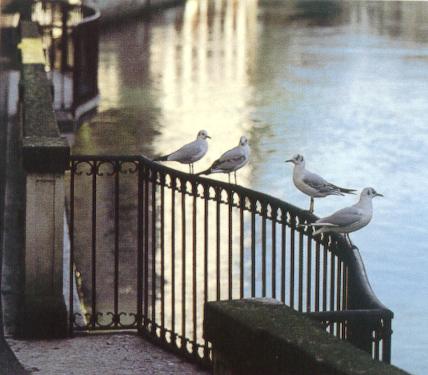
pixel 189 153
pixel 311 184
pixel 231 160
pixel 349 219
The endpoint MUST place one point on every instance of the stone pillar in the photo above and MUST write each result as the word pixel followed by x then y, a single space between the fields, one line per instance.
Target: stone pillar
pixel 45 156
pixel 44 313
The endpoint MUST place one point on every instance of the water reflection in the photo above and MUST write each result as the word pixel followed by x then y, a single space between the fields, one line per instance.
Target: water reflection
pixel 343 83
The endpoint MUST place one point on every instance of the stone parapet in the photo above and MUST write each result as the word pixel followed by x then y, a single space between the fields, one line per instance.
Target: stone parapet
pixel 263 336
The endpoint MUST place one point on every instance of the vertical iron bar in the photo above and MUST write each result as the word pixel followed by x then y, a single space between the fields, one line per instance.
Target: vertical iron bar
pixel 71 269
pixel 116 244
pixel 332 280
pixel 206 197
pixel 194 221
pixel 162 248
pixel 386 347
pixel 218 199
pixel 146 248
pixel 317 276
pixel 173 188
pixel 339 285
pixel 300 290
pixel 344 297
pixel 332 284
pixel 274 252
pixel 230 205
pixel 309 275
pixel 264 213
pixel 153 176
pixel 345 288
pixel 253 249
pixel 206 214
pixel 324 279
pixel 183 265
pixel 140 246
pixel 94 245
pixel 292 250
pixel 241 245
pixel 283 252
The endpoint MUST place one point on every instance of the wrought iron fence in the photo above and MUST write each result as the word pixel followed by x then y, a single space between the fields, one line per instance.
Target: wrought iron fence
pixel 150 245
pixel 70 37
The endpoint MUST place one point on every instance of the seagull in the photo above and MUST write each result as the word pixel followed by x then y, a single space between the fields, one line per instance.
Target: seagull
pixel 231 160
pixel 311 184
pixel 190 152
pixel 349 219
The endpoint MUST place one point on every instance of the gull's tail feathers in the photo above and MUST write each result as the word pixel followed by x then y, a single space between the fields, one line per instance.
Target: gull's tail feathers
pixel 318 231
pixel 347 191
pixel 162 158
pixel 322 227
pixel 321 224
pixel 212 169
pixel 337 192
pixel 206 171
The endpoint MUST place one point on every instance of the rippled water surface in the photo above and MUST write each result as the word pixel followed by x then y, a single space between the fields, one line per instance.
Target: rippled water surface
pixel 344 84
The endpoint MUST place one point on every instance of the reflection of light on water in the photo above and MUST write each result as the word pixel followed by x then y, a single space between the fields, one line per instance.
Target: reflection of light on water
pixel 202 84
pixel 108 83
pixel 203 76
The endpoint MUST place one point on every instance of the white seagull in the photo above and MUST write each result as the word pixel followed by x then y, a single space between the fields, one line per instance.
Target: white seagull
pixel 231 160
pixel 189 153
pixel 349 219
pixel 311 184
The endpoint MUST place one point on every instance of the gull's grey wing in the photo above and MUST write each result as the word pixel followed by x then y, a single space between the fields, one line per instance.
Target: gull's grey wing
pixel 187 152
pixel 344 217
pixel 318 183
pixel 229 160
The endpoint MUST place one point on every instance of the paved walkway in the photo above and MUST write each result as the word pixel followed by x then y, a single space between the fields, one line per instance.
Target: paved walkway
pixel 113 354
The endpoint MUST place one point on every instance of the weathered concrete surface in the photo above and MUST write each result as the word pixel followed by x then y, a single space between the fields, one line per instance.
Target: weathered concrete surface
pixel 261 336
pixel 114 354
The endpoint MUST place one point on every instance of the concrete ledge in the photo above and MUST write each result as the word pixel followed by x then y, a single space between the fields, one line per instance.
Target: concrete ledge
pixel 262 336
pixel 43 148
pixel 45 154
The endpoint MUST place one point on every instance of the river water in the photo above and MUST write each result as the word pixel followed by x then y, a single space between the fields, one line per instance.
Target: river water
pixel 343 83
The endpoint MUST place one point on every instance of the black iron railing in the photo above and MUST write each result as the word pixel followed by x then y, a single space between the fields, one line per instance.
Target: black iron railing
pixel 70 37
pixel 150 245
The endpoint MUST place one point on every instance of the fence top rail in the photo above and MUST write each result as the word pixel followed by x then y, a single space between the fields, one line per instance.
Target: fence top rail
pixel 346 315
pixel 336 242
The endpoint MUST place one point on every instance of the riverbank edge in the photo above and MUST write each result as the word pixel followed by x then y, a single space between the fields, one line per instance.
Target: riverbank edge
pixel 121 12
